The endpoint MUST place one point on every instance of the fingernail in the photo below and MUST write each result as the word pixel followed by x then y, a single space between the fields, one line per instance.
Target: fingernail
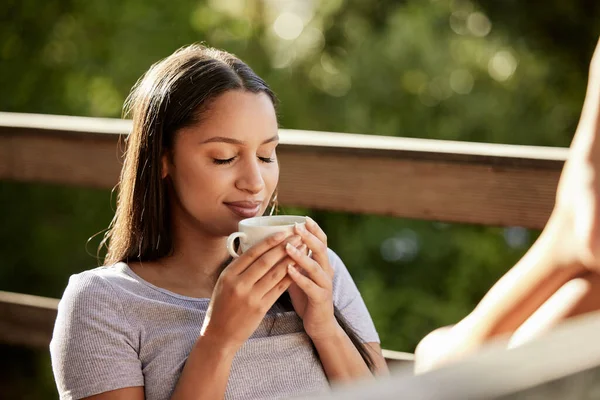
pixel 290 248
pixel 309 220
pixel 291 269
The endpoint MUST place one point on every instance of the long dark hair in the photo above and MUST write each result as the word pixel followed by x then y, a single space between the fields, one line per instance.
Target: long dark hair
pixel 173 94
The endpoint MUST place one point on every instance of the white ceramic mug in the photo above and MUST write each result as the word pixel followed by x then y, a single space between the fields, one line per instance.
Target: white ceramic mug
pixel 253 230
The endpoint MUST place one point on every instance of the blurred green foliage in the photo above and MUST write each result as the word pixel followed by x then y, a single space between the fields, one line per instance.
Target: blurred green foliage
pixel 502 72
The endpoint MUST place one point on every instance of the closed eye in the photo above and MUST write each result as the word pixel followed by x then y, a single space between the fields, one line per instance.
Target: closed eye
pixel 222 162
pixel 219 161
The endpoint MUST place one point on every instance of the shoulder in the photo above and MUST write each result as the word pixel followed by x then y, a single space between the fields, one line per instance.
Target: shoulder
pixel 94 284
pixel 94 348
pixel 335 261
pixel 339 268
pixel 90 307
pixel 95 295
pixel 344 288
pixel 349 302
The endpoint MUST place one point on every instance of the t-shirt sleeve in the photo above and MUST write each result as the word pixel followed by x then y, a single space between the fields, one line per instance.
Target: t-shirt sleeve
pixel 93 347
pixel 349 302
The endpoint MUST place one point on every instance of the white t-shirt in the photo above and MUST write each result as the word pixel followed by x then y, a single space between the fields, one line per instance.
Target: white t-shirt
pixel 115 330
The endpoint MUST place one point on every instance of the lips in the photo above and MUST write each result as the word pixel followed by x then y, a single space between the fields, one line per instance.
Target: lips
pixel 245 209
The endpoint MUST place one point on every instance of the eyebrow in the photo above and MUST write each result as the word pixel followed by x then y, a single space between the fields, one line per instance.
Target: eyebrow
pixel 235 141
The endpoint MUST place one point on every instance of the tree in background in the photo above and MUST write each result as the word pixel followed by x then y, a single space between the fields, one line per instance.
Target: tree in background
pixel 501 72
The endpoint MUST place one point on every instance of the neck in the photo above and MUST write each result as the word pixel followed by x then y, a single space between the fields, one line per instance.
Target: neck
pixel 197 256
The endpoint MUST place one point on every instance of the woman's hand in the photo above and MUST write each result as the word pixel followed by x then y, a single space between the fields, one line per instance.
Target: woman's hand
pixel 246 290
pixel 312 290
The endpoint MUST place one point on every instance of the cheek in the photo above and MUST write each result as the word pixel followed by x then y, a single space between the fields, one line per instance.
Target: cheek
pixel 195 182
pixel 271 177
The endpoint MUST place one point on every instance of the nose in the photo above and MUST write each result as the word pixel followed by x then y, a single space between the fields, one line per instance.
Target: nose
pixel 250 179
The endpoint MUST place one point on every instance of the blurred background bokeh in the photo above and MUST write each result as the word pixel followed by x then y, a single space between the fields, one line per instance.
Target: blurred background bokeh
pixel 488 71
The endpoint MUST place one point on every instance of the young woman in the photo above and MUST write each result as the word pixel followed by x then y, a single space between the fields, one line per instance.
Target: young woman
pixel 559 277
pixel 170 315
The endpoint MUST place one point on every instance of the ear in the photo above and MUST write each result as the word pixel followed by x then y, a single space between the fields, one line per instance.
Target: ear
pixel 164 165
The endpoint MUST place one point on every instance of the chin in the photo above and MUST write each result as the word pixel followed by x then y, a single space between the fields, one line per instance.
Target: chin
pixel 230 226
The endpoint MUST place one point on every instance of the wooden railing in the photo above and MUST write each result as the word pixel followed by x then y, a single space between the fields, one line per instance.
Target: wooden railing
pixel 26 320
pixel 490 184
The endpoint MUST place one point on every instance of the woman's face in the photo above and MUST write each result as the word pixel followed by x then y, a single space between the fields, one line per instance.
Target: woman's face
pixel 225 169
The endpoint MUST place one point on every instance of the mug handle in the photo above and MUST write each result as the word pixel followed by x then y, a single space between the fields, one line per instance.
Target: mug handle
pixel 230 241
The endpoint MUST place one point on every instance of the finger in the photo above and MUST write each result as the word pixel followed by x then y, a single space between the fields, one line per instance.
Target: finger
pixel 313 270
pixel 318 248
pixel 276 292
pixel 265 262
pixel 272 277
pixel 316 230
pixel 306 284
pixel 240 264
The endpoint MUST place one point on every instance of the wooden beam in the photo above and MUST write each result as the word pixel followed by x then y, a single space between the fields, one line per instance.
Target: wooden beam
pixel 398 359
pixel 491 184
pixel 26 320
